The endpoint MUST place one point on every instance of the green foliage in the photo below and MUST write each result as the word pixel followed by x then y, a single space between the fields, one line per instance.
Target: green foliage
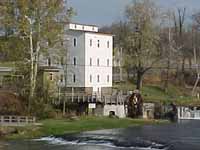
pixel 37 29
pixel 44 110
pixel 142 42
pixel 13 49
pixel 155 93
pixel 45 18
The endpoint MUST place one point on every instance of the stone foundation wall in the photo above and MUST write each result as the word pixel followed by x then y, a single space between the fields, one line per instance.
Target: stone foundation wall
pixel 118 109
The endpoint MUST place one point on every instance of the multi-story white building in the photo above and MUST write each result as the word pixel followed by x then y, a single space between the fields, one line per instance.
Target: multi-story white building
pixel 89 60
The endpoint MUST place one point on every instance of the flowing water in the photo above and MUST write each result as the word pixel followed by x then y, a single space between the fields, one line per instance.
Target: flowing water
pixel 184 135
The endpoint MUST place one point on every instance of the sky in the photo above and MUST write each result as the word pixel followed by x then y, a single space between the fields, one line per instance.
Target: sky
pixel 104 12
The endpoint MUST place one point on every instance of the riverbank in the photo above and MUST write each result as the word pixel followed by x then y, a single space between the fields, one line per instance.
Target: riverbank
pixel 65 126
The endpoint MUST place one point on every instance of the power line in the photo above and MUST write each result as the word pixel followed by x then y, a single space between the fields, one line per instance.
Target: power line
pixel 105 66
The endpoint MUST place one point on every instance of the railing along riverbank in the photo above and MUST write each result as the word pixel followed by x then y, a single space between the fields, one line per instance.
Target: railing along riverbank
pixel 17 120
pixel 186 113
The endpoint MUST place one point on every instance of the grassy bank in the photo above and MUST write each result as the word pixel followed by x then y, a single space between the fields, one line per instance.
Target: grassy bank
pixel 155 93
pixel 63 126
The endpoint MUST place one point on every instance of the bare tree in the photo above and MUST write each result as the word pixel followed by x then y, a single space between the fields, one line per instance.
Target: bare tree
pixel 179 21
pixel 141 46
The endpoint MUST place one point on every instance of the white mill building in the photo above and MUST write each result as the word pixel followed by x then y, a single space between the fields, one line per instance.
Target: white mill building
pixel 89 58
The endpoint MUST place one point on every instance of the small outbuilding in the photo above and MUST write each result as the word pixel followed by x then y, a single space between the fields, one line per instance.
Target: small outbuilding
pixel 148 110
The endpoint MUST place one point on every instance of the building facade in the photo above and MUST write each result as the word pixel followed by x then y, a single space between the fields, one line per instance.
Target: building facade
pixel 88 64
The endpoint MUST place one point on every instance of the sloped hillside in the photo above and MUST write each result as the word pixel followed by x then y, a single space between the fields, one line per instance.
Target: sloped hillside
pixel 10 104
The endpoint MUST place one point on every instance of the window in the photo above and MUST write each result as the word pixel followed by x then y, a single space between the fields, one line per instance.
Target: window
pixel 90 42
pixel 74 78
pixel 98 62
pixel 62 61
pixel 118 62
pixel 98 43
pixel 98 78
pixel 90 78
pixel 83 27
pixel 90 61
pixel 74 61
pixel 108 78
pixel 108 44
pixel 75 42
pixel 75 26
pixel 61 78
pixel 61 43
pixel 108 62
pixel 98 90
pixel 49 61
pixel 51 76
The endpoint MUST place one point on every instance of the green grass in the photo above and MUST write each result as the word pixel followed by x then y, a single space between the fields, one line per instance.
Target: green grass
pixel 64 126
pixel 154 93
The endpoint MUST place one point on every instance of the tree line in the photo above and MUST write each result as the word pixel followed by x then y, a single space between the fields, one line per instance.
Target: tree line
pixel 153 38
pixel 148 37
pixel 29 29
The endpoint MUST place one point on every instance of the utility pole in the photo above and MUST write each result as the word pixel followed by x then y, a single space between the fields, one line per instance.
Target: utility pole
pixel 169 54
pixel 121 68
pixel 65 77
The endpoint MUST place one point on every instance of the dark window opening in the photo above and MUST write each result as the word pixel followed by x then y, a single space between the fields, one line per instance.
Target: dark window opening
pixel 74 78
pixel 62 61
pixel 108 44
pixel 51 76
pixel 61 78
pixel 90 42
pixel 49 61
pixel 98 62
pixel 90 61
pixel 75 42
pixel 98 43
pixel 74 62
pixel 108 63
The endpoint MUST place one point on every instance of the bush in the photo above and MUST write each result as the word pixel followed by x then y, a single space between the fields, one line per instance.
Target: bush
pixel 44 111
pixel 11 104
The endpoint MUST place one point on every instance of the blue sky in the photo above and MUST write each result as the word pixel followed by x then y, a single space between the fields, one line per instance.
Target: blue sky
pixel 104 12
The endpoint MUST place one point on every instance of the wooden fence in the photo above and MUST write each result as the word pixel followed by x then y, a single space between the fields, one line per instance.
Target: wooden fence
pixel 105 99
pixel 17 120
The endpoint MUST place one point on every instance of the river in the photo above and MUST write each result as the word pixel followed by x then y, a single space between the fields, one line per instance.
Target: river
pixel 184 135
